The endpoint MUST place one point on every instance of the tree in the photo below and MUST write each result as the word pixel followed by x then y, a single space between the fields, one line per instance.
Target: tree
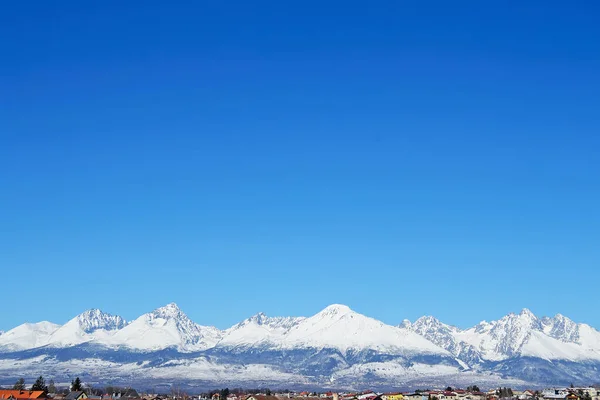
pixel 448 389
pixel 268 392
pixel 76 385
pixel 51 387
pixel 40 384
pixel 473 388
pixel 19 385
pixel 224 393
pixel 572 386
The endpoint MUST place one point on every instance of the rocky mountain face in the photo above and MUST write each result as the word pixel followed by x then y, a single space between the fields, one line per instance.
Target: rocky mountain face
pixel 335 348
pixel 94 319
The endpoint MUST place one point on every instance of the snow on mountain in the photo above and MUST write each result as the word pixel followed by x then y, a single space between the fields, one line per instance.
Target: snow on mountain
pixel 504 338
pixel 91 325
pixel 446 337
pixel 436 332
pixel 258 330
pixel 540 345
pixel 162 328
pixel 561 328
pixel 514 335
pixel 335 345
pixel 27 336
pixel 94 319
pixel 338 327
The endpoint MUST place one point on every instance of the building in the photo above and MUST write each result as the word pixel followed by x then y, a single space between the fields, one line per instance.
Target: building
pixel 393 396
pixel 77 395
pixel 261 397
pixel 22 394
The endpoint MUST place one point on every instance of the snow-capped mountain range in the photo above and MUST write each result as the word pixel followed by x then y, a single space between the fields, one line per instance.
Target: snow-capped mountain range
pixel 336 348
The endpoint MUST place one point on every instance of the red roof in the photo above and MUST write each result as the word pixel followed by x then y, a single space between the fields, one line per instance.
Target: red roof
pixel 22 394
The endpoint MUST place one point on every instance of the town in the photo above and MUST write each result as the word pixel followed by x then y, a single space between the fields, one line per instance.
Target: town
pixel 77 390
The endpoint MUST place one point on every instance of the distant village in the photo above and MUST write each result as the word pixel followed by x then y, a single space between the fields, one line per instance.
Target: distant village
pixel 78 391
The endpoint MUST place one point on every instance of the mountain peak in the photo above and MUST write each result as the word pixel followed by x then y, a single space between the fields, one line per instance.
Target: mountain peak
pixel 428 319
pixel 527 312
pixel 170 310
pixel 405 324
pixel 259 318
pixel 94 319
pixel 336 309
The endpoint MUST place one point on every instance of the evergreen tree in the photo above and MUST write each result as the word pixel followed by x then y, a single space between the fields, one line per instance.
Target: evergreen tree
pixel 19 385
pixel 448 389
pixel 224 393
pixel 40 384
pixel 76 385
pixel 51 387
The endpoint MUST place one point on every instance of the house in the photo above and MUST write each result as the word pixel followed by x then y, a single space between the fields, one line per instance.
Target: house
pixel 393 396
pixel 77 395
pixel 448 396
pixel 475 396
pixel 261 397
pixel 555 394
pixel 368 396
pixel 21 394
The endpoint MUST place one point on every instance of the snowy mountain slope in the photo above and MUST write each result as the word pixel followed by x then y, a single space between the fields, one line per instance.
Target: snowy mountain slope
pixel 91 325
pixel 164 327
pixel 28 336
pixel 337 326
pixel 501 339
pixel 258 330
pixel 514 335
pixel 446 337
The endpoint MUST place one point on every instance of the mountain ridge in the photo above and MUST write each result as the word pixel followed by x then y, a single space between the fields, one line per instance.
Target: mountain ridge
pixel 334 346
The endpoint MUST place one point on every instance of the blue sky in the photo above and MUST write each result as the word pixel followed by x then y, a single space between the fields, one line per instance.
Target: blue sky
pixel 403 158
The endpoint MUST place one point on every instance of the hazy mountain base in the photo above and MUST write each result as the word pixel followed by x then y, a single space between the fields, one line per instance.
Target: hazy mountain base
pixel 294 369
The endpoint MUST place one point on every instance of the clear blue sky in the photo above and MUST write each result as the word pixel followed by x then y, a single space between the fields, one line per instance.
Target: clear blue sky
pixel 400 157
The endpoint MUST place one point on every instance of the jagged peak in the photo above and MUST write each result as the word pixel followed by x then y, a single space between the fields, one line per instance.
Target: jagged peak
pixel 170 310
pixel 258 318
pixel 527 312
pixel 560 317
pixel 405 324
pixel 428 319
pixel 262 319
pixel 94 319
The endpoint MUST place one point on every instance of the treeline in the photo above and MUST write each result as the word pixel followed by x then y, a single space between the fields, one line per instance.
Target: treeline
pixel 223 393
pixel 39 384
pixel 76 385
